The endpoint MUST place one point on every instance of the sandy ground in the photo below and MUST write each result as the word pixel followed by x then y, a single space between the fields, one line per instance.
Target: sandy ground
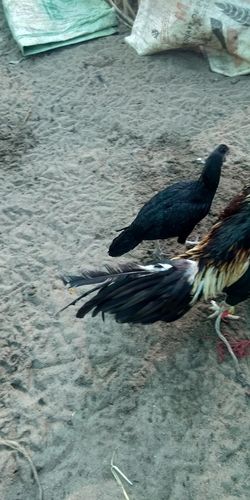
pixel 87 134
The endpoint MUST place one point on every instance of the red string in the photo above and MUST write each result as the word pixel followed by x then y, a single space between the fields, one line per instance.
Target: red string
pixel 241 348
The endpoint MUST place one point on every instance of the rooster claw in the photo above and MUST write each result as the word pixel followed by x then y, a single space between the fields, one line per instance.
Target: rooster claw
pixel 226 315
pixel 222 309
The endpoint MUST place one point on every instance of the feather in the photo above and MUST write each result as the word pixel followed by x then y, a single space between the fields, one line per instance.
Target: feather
pixel 145 299
pixel 82 296
pixel 236 203
pixel 113 272
pixel 97 276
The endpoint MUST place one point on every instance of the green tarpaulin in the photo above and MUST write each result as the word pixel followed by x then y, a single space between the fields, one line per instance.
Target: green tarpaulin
pixel 40 25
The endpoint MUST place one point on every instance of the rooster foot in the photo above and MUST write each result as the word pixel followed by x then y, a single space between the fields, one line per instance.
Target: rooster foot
pixel 223 310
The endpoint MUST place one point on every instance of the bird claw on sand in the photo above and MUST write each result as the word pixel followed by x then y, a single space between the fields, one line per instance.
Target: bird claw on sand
pixel 191 244
pixel 223 310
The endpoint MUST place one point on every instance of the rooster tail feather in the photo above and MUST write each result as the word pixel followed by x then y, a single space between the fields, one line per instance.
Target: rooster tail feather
pixel 88 277
pixel 145 299
pixel 80 297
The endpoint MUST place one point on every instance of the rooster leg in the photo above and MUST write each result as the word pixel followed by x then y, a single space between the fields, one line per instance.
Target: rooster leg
pixel 220 315
pixel 225 341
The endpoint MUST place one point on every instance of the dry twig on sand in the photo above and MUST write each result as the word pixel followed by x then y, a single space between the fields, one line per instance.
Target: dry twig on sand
pixel 17 447
pixel 117 473
pixel 124 10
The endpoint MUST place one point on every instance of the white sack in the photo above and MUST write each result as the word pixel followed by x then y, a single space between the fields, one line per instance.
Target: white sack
pixel 221 27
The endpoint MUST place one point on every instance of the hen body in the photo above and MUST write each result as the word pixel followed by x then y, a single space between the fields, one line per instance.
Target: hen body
pixel 175 211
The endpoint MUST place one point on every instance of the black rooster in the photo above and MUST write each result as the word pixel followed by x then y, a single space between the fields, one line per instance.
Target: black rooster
pixel 175 211
pixel 219 264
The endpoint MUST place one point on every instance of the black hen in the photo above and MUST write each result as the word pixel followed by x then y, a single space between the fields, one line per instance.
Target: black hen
pixel 220 263
pixel 175 211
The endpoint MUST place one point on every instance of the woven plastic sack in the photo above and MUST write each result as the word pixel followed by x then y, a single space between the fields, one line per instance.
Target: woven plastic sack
pixel 222 28
pixel 40 25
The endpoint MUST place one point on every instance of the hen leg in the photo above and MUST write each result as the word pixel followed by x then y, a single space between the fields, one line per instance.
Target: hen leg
pixel 191 244
pixel 158 254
